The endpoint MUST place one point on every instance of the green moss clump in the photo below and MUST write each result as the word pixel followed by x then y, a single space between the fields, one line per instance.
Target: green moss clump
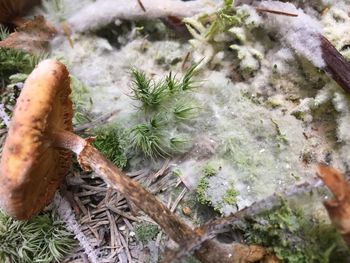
pixel 81 101
pixel 42 239
pixel 112 142
pixel 230 196
pixel 163 109
pixel 208 170
pixel 146 232
pixel 201 191
pixel 295 238
pixel 14 61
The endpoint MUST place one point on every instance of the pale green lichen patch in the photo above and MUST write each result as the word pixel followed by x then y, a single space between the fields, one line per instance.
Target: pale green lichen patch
pixel 146 232
pixel 295 237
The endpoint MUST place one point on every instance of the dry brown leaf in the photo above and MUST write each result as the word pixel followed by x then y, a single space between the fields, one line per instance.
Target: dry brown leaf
pixel 339 207
pixel 32 37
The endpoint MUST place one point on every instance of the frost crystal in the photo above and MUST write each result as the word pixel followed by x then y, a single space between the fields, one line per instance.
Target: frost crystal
pixel 301 33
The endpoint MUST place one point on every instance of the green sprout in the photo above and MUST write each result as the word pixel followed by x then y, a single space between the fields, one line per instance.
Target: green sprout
pixel 173 84
pixel 149 92
pixel 42 239
pixel 183 112
pixel 179 144
pixel 201 191
pixel 230 196
pixel 111 142
pixel 149 140
pixel 187 80
pixel 164 108
pixel 81 101
pixel 208 170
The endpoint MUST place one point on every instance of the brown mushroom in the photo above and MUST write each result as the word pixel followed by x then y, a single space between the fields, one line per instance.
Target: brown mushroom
pixel 36 158
pixel 10 9
pixel 36 154
pixel 31 169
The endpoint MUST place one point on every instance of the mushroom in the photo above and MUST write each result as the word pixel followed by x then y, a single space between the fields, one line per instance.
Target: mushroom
pixel 10 9
pixel 37 156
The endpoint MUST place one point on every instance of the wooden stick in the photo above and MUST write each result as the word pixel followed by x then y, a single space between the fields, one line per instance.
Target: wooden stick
pixel 336 65
pixel 276 12
pixel 221 225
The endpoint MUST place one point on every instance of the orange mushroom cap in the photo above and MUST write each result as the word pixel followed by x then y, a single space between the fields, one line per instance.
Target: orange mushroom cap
pixel 31 169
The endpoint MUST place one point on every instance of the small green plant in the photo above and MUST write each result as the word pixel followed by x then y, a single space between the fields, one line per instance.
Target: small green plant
pixel 187 80
pixel 15 61
pixel 149 92
pixel 208 170
pixel 179 144
pixel 145 232
pixel 230 196
pixel 295 238
pixel 149 140
pixel 163 109
pixel 183 112
pixel 112 142
pixel 42 239
pixel 81 101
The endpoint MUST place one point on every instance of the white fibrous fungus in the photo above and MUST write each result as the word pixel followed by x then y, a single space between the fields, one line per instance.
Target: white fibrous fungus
pixel 104 12
pixel 298 30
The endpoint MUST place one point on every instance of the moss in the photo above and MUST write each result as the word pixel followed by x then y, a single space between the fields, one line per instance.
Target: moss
pixel 112 142
pixel 208 170
pixel 296 238
pixel 146 232
pixel 201 191
pixel 42 239
pixel 230 196
pixel 163 109
pixel 81 101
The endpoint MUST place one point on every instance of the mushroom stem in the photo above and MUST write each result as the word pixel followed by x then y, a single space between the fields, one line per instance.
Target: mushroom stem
pixel 91 159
